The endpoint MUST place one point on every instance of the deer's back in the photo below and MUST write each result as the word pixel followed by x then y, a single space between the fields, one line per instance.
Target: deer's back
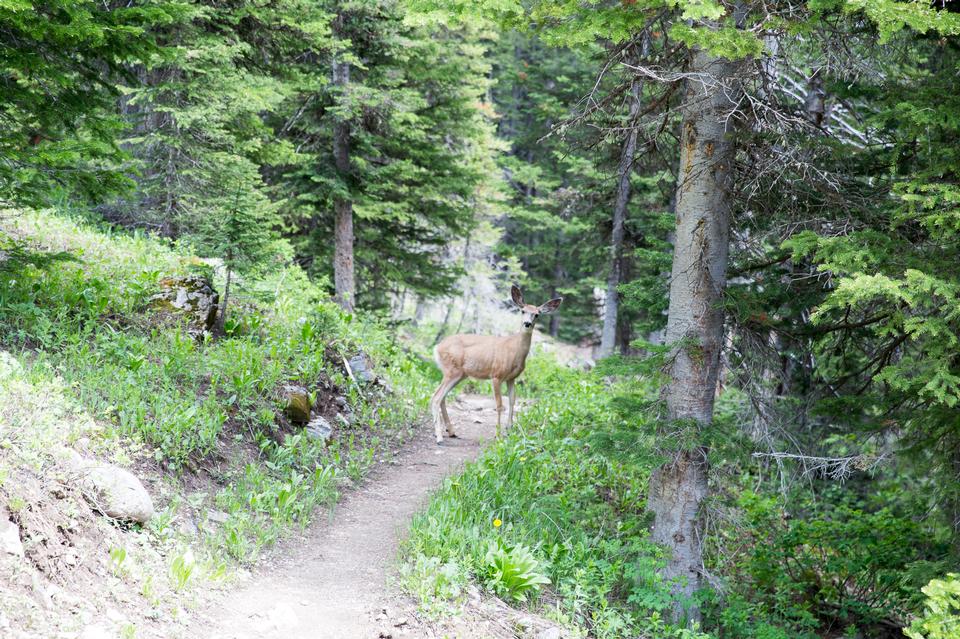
pixel 482 356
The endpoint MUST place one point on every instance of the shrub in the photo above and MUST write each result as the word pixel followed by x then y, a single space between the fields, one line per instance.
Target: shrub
pixel 941 617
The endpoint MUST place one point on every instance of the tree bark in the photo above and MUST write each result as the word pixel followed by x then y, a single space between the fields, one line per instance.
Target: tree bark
pixel 343 269
pixel 611 304
pixel 695 321
pixel 554 292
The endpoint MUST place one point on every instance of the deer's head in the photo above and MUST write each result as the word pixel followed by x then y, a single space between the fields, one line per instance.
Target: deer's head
pixel 529 312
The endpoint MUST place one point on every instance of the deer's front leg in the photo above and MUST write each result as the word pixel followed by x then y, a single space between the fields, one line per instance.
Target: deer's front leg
pixel 499 400
pixel 512 397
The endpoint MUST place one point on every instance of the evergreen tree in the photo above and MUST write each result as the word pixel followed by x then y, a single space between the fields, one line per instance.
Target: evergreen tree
pixel 59 62
pixel 420 151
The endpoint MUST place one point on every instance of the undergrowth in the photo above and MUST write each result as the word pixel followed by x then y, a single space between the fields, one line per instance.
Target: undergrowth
pixel 546 516
pixel 74 310
pixel 552 517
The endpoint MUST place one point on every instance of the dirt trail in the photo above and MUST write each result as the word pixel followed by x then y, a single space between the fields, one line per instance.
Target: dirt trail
pixel 335 581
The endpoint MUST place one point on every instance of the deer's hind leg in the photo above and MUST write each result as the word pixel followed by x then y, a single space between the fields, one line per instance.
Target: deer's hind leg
pixel 438 406
pixel 443 410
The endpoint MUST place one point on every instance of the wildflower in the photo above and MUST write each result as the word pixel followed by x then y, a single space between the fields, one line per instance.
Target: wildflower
pixel 497 523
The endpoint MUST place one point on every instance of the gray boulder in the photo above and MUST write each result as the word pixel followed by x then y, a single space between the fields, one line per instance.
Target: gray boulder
pixel 112 490
pixel 319 428
pixel 362 369
pixel 190 296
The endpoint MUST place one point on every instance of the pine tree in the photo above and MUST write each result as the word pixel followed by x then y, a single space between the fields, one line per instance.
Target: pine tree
pixel 60 60
pixel 420 150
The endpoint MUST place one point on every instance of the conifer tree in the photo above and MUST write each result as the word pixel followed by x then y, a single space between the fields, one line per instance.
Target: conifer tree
pixel 420 148
pixel 59 63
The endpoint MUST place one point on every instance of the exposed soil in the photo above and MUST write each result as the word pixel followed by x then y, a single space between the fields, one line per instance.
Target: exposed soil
pixel 338 579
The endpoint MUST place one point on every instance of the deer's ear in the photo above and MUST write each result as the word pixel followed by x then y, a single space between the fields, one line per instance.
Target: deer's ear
pixel 551 306
pixel 516 295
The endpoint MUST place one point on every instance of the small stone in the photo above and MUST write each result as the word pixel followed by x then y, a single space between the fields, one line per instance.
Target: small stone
pixel 361 369
pixel 191 296
pixel 319 428
pixel 10 543
pixel 549 633
pixel 346 419
pixel 385 634
pixel 217 516
pixel 297 403
pixel 402 621
pixel 4 621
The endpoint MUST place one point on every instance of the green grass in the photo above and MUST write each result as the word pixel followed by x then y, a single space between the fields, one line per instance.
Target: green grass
pixel 552 517
pixel 73 312
pixel 552 501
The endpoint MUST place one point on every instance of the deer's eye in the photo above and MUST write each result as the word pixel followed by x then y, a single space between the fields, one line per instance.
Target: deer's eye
pixel 536 315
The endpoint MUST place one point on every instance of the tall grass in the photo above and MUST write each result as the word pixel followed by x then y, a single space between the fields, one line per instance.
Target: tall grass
pixel 556 500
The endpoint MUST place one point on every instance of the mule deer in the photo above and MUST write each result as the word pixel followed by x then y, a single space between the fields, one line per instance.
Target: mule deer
pixel 500 359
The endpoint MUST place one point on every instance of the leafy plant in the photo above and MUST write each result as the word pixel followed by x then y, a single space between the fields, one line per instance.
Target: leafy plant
pixel 512 571
pixel 941 616
pixel 181 569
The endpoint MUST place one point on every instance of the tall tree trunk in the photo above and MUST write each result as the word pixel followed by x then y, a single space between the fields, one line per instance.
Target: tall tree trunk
pixel 695 321
pixel 343 271
pixel 611 304
pixel 557 278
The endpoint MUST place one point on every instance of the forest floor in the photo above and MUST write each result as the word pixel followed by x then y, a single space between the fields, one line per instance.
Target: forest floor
pixel 339 579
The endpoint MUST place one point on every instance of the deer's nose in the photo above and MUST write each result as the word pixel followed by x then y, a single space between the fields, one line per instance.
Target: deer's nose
pixel 527 324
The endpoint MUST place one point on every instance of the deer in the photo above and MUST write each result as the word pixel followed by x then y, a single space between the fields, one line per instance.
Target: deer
pixel 499 359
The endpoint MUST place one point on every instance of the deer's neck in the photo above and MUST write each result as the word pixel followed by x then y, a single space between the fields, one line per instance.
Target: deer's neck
pixel 523 339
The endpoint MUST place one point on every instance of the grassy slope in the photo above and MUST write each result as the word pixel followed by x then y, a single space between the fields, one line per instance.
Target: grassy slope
pixel 546 502
pixel 563 498
pixel 88 366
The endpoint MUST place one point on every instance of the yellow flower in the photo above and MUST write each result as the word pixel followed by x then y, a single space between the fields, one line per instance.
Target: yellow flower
pixel 523 459
pixel 497 523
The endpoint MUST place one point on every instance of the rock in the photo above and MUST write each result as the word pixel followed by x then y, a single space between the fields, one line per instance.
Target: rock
pixel 217 516
pixel 10 543
pixel 96 631
pixel 346 419
pixel 402 621
pixel 190 296
pixel 319 428
pixel 297 403
pixel 341 401
pixel 361 368
pixel 112 490
pixel 549 633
